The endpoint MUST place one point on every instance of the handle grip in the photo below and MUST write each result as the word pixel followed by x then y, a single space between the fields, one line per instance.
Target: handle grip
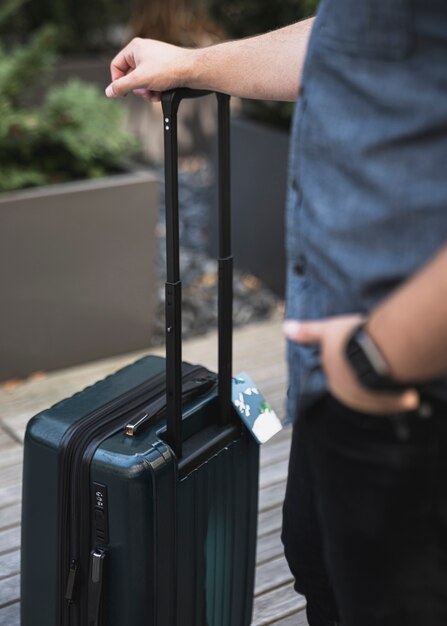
pixel 170 102
pixel 184 93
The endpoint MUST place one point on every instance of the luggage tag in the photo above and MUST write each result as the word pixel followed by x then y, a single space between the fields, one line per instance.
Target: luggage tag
pixel 257 414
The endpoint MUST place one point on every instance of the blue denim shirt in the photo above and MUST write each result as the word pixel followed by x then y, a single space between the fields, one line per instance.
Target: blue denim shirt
pixel 367 195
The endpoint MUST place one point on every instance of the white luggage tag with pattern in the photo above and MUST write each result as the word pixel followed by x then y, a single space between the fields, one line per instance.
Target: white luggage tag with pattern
pixel 255 412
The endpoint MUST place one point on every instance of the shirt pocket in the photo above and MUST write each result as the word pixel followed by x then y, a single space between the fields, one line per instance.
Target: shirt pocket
pixel 374 29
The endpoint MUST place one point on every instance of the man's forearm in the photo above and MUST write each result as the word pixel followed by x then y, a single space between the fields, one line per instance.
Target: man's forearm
pixel 268 66
pixel 410 327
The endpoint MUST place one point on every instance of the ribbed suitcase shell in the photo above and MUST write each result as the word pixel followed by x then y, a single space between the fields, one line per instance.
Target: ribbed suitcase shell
pixel 209 515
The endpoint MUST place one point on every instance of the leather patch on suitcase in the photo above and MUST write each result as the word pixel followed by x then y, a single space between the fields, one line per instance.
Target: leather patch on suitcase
pixel 257 414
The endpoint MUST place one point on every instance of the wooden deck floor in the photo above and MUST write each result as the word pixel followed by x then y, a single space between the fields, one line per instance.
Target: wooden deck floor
pixel 259 349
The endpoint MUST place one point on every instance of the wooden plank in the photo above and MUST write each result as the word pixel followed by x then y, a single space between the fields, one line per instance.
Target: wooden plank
pixel 274 473
pixel 297 619
pixel 258 340
pixel 11 455
pixel 266 369
pixel 33 396
pixel 269 547
pixel 280 602
pixel 10 494
pixel 9 590
pixel 276 450
pixel 6 440
pixel 10 539
pixel 18 423
pixel 10 515
pixel 272 496
pixel 271 575
pixel 9 564
pixel 269 521
pixel 11 475
pixel 10 615
pixel 264 338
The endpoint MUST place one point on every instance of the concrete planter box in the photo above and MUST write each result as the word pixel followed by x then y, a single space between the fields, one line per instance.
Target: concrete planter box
pixel 76 272
pixel 259 176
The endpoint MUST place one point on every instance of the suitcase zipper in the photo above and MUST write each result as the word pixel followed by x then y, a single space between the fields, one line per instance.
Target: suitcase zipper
pixel 190 389
pixel 77 449
pixel 97 560
pixel 68 586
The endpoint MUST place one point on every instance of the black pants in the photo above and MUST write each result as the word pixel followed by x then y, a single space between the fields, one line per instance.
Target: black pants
pixel 365 515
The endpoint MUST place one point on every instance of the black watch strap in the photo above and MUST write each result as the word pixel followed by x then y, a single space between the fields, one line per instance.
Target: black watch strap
pixel 369 364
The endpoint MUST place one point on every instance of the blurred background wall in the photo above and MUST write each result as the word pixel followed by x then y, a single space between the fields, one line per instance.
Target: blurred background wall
pixel 79 174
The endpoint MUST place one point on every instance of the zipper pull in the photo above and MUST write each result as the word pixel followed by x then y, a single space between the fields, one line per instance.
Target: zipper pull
pixel 133 425
pixel 143 418
pixel 71 582
pixel 191 388
pixel 97 558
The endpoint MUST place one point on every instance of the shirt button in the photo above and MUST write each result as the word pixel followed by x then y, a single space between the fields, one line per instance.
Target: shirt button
pixel 299 268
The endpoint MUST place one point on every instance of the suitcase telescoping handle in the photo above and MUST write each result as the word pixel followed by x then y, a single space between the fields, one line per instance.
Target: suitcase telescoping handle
pixel 170 103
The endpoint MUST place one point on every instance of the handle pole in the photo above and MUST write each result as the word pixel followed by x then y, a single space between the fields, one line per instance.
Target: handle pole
pixel 173 294
pixel 170 103
pixel 225 312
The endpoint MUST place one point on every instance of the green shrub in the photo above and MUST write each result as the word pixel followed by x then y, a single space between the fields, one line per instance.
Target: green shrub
pixel 75 133
pixel 84 26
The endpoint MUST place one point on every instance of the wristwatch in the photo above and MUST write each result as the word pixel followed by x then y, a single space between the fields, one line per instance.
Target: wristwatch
pixel 369 364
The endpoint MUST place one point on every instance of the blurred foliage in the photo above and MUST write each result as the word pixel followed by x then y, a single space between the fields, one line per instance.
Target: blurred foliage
pixel 75 133
pixel 245 18
pixel 94 25
pixel 181 22
pixel 83 26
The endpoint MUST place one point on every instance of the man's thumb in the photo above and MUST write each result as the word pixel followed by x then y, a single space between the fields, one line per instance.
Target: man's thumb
pixel 303 332
pixel 121 86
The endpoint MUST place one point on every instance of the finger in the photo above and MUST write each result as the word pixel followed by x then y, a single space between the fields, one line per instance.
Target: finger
pixel 141 91
pixel 155 96
pixel 148 94
pixel 123 61
pixel 410 399
pixel 122 86
pixel 405 401
pixel 304 332
pixel 381 403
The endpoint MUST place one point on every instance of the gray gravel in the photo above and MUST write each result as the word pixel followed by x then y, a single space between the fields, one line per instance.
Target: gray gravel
pixel 252 301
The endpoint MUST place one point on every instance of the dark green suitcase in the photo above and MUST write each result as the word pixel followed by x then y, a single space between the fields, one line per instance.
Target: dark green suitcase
pixel 140 492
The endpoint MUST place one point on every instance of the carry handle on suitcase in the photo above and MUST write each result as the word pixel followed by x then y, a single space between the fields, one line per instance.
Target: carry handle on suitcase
pixel 170 103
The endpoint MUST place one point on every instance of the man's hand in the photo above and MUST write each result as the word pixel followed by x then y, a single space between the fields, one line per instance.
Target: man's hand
pixel 147 67
pixel 332 334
